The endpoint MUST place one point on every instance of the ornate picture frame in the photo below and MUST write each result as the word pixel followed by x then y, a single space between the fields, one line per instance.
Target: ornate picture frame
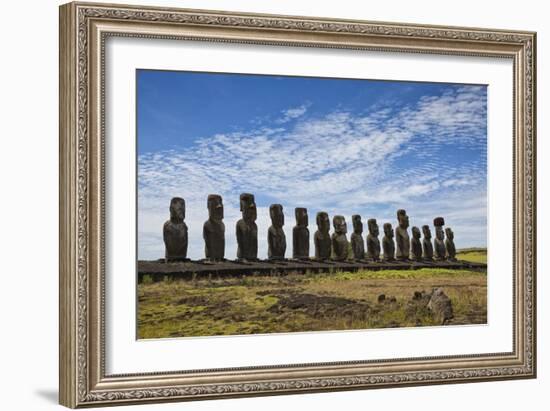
pixel 84 29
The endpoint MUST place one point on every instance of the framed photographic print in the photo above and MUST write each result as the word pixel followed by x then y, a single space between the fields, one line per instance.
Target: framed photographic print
pixel 259 204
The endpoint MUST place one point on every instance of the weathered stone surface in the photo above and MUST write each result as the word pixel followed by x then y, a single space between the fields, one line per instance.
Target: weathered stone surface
pixel 213 231
pixel 439 241
pixel 373 243
pixel 357 242
pixel 188 269
pixel 416 245
pixel 276 239
pixel 427 247
pixel 402 240
pixel 300 235
pixel 175 232
pixel 450 244
pixel 441 306
pixel 247 230
pixel 339 238
pixel 387 243
pixel 321 238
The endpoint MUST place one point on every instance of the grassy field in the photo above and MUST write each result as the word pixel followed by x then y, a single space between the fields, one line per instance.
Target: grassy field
pixel 475 255
pixel 310 302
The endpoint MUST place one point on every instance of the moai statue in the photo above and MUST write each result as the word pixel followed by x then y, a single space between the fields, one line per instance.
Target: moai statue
pixel 402 236
pixel 300 235
pixel 387 243
pixel 427 247
pixel 321 238
pixel 247 230
pixel 416 245
pixel 175 232
pixel 213 230
pixel 357 242
pixel 439 243
pixel 373 243
pixel 276 240
pixel 339 238
pixel 450 244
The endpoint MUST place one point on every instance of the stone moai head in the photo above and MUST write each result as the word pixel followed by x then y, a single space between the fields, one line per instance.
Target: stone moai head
pixel 373 227
pixel 276 214
pixel 357 224
pixel 426 231
pixel 177 210
pixel 449 233
pixel 339 224
pixel 416 233
pixel 248 207
pixel 403 219
pixel 388 230
pixel 215 207
pixel 301 216
pixel 323 222
pixel 439 222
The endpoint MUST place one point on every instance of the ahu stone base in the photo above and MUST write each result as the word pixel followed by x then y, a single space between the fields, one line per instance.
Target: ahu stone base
pixel 159 270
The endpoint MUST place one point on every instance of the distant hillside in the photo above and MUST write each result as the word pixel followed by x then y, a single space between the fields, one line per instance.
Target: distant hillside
pixel 472 250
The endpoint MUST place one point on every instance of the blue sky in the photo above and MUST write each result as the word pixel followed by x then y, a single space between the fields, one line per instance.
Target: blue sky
pixel 338 145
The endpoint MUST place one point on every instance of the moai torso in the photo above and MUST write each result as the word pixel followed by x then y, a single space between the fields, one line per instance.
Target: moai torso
pixel 439 248
pixel 339 239
pixel 450 244
pixel 373 247
pixel 402 236
pixel 358 246
pixel 276 240
pixel 388 244
pixel 247 240
pixel 321 238
pixel 300 235
pixel 373 243
pixel 427 247
pixel 247 230
pixel 175 240
pixel 416 245
pixel 213 231
pixel 357 242
pixel 175 232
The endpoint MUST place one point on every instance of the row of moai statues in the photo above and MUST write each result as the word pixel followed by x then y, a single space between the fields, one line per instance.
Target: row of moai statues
pixel 327 247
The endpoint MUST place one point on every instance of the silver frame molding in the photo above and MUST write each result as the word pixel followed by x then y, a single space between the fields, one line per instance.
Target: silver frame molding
pixel 83 30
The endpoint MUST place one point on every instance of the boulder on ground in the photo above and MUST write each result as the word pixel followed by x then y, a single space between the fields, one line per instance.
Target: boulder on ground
pixel 441 306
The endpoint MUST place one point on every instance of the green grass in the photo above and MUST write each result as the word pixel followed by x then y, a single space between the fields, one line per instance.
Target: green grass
pixel 475 255
pixel 303 302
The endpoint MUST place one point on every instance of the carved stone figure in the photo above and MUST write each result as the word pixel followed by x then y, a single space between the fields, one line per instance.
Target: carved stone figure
pixel 387 243
pixel 276 240
pixel 175 232
pixel 300 235
pixel 439 243
pixel 427 247
pixel 402 236
pixel 450 244
pixel 416 245
pixel 357 242
pixel 247 230
pixel 213 230
pixel 321 238
pixel 373 243
pixel 339 238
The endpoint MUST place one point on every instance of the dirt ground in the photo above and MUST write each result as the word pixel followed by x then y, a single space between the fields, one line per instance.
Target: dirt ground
pixel 308 302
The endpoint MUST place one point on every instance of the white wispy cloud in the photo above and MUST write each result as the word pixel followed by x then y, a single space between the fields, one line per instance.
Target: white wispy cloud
pixel 292 113
pixel 342 162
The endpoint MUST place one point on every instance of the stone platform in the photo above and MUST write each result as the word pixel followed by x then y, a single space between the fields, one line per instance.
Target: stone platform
pixel 158 270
